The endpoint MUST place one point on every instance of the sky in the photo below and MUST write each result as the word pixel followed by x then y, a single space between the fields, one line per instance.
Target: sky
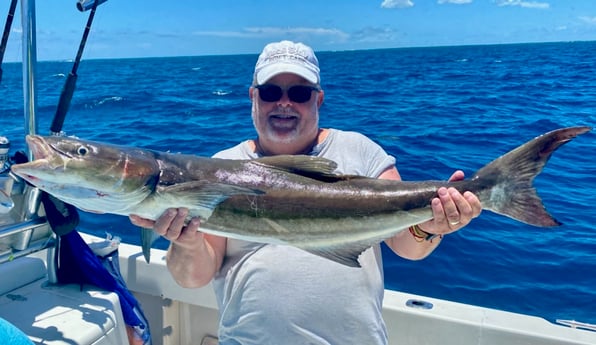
pixel 150 28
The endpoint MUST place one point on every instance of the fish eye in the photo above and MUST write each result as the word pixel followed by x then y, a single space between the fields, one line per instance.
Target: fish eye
pixel 82 150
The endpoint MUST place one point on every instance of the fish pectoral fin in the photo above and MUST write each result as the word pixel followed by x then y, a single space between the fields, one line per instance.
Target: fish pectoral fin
pixel 202 196
pixel 275 225
pixel 346 254
pixel 209 187
pixel 148 237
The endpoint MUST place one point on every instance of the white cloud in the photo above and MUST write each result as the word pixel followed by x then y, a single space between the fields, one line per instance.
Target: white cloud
pixel 224 33
pixel 521 3
pixel 270 31
pixel 374 34
pixel 397 4
pixel 457 2
pixel 589 20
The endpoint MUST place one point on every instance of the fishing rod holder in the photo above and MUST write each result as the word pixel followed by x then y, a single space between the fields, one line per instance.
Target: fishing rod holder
pixel 86 5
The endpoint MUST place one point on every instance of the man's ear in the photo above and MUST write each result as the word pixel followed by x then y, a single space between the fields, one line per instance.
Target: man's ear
pixel 321 98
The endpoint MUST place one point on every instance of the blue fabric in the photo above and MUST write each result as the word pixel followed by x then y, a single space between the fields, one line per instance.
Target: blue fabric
pixel 9 334
pixel 79 265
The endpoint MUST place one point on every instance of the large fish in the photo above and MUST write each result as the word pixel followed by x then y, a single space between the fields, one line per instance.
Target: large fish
pixel 295 200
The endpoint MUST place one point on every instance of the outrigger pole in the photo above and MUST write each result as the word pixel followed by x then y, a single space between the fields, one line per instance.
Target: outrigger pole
pixel 71 80
pixel 13 5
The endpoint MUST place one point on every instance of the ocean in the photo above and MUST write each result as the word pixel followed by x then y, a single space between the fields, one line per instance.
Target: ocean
pixel 435 109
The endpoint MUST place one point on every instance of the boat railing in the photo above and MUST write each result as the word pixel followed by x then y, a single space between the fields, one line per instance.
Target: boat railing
pixel 577 324
pixel 23 226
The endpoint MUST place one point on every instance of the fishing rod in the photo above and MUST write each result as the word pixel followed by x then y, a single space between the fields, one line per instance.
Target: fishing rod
pixel 62 217
pixel 71 80
pixel 7 25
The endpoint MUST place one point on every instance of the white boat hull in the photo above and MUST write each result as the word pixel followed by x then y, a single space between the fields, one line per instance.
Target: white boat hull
pixel 187 316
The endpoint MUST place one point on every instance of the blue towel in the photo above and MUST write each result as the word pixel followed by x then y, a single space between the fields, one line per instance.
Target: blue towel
pixel 78 264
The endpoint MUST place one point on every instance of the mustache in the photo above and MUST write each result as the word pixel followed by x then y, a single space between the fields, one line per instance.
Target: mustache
pixel 284 111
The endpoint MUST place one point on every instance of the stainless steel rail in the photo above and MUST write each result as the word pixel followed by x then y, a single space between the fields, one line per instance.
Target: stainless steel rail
pixel 24 245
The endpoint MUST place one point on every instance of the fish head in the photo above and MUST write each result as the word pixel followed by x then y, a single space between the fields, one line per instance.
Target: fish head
pixel 80 171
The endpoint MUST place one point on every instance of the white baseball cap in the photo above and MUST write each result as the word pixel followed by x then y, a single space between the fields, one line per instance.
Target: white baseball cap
pixel 287 57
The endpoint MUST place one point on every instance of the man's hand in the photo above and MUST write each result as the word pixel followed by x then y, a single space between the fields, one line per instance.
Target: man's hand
pixel 171 225
pixel 193 257
pixel 451 209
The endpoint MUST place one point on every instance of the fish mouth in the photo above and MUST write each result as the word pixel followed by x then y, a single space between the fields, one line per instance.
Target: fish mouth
pixel 43 150
pixel 39 147
pixel 43 158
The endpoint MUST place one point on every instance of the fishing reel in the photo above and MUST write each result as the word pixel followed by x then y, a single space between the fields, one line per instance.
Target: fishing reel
pixel 7 180
pixel 4 157
pixel 85 5
pixel 6 160
pixel 10 184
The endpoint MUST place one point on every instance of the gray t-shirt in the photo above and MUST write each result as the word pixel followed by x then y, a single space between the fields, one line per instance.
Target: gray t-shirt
pixel 278 294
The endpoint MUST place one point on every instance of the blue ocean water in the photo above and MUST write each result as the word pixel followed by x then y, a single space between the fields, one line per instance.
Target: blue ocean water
pixel 435 109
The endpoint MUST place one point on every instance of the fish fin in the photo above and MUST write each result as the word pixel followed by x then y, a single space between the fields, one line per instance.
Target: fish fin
pixel 148 237
pixel 299 164
pixel 511 176
pixel 275 225
pixel 202 196
pixel 346 254
pixel 209 187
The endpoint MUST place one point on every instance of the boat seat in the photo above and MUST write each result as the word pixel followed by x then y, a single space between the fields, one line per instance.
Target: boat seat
pixel 20 272
pixel 58 314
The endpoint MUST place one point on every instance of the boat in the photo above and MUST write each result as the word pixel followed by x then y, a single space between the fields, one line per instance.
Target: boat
pixel 49 312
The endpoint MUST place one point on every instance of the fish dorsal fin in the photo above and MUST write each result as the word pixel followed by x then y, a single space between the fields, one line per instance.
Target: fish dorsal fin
pixel 300 164
pixel 202 197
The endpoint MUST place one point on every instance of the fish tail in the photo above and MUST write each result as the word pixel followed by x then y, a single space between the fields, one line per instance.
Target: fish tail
pixel 508 180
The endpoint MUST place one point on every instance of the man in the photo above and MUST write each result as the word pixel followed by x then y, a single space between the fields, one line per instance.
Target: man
pixel 276 294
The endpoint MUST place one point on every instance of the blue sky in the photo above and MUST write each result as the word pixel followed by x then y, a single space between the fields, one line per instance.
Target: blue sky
pixel 136 28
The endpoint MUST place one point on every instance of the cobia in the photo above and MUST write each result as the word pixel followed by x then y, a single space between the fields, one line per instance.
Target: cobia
pixel 295 200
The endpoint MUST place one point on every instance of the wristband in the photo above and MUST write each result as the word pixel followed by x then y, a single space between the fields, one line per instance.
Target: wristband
pixel 421 235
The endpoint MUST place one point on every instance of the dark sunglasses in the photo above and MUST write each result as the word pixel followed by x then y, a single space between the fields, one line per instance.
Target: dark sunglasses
pixel 296 93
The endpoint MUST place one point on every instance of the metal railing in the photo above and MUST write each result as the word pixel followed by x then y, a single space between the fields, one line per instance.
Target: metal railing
pixel 22 239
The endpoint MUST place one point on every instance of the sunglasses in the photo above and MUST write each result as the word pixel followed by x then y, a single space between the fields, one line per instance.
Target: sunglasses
pixel 296 93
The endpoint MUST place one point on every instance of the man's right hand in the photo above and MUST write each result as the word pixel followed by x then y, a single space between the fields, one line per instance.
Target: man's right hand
pixel 171 225
pixel 193 257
